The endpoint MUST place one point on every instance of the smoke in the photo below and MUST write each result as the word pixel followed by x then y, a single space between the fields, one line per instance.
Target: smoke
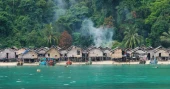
pixel 62 7
pixel 101 36
pixel 72 2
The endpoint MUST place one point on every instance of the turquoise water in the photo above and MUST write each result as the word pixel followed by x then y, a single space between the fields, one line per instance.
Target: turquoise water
pixel 86 77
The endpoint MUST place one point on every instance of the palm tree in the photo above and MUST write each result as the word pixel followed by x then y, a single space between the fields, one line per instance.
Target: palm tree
pixel 50 36
pixel 165 37
pixel 132 38
pixel 116 44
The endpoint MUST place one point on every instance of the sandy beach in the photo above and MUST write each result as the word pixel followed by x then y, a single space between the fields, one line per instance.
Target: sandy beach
pixel 81 63
pixel 111 63
pixel 15 64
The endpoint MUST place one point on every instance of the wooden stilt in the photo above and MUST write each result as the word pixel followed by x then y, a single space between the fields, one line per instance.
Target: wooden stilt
pixel 85 58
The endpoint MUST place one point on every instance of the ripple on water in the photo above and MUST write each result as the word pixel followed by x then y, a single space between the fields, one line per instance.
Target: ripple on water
pixel 18 81
pixel 69 77
pixel 31 74
pixel 59 76
pixel 73 82
pixel 66 84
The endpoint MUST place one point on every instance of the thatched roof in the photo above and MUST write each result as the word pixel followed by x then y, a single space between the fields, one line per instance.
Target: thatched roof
pixel 107 48
pixel 159 48
pixel 53 47
pixel 93 47
pixel 84 50
pixel 20 51
pixel 42 50
pixel 71 47
pixel 9 49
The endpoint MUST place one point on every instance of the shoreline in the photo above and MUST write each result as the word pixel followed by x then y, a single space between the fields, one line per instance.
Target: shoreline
pixel 83 63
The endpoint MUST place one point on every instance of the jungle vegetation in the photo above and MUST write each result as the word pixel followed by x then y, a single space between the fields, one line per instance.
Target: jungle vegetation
pixel 36 23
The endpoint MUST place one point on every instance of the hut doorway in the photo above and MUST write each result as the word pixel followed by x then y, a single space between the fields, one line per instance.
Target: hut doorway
pixel 7 54
pixel 159 54
pixel 149 56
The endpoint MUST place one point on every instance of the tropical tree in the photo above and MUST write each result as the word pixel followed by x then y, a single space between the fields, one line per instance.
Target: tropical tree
pixel 65 40
pixel 165 38
pixel 116 44
pixel 132 38
pixel 50 35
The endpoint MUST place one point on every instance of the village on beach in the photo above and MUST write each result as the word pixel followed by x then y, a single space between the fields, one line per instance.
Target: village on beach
pixel 78 55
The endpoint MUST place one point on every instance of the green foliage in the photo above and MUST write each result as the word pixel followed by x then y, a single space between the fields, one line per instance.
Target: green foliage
pixel 132 38
pixel 25 23
pixel 165 38
pixel 116 44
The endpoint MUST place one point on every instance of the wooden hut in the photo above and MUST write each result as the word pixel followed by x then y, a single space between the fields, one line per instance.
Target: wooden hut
pixel 20 51
pixel 117 54
pixel 161 53
pixel 84 54
pixel 150 53
pixel 63 54
pixel 96 54
pixel 8 54
pixel 29 56
pixel 139 53
pixel 74 53
pixel 41 52
pixel 107 53
pixel 52 53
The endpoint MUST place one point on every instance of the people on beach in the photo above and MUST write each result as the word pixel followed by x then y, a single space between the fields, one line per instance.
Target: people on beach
pixel 20 63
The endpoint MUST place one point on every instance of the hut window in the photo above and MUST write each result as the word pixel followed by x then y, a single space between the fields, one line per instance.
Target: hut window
pixel 55 55
pixel 48 55
pixel 32 55
pixel 78 52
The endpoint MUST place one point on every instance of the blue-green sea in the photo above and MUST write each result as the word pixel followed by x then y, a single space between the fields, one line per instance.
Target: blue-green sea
pixel 86 77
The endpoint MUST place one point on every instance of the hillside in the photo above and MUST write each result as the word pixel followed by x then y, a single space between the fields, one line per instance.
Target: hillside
pixel 112 23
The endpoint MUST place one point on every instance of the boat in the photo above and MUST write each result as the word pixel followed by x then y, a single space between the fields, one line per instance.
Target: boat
pixel 51 62
pixel 47 61
pixel 43 61
pixel 155 61
pixel 68 62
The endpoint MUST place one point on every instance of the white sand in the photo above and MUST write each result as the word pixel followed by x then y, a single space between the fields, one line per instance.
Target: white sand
pixel 81 63
pixel 99 62
pixel 112 63
pixel 15 64
pixel 8 64
pixel 31 64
